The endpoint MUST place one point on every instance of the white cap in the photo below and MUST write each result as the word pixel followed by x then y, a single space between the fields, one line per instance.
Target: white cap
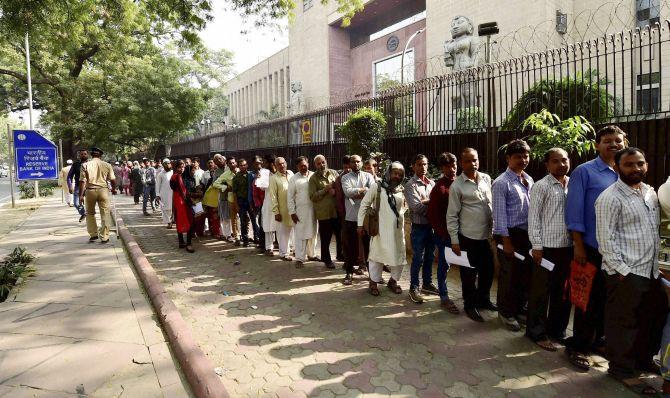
pixel 69 161
pixel 166 160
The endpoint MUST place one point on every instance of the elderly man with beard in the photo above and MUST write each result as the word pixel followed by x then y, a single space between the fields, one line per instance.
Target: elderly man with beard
pixel 627 222
pixel 388 246
pixel 164 192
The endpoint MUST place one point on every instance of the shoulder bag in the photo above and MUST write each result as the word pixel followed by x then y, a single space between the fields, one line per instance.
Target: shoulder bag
pixel 371 220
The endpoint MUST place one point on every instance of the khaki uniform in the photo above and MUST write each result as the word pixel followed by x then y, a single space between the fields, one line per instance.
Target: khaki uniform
pixel 95 173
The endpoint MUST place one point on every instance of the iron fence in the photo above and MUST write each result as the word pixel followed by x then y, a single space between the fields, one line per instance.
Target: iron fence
pixel 620 78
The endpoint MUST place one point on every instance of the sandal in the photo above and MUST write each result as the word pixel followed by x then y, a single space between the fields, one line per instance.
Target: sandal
pixel 578 360
pixel 640 387
pixel 449 306
pixel 546 344
pixel 393 286
pixel 374 290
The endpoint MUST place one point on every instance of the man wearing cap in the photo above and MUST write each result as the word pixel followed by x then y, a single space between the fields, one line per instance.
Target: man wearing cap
pixel 149 182
pixel 94 177
pixel 164 192
pixel 63 183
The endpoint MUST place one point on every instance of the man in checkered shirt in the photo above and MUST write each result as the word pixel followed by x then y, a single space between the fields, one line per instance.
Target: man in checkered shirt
pixel 551 240
pixel 627 222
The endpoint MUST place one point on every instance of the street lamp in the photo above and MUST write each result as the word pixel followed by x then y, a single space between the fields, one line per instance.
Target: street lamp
pixel 402 58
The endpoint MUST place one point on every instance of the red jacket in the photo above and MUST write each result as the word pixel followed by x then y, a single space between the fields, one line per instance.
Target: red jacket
pixel 437 206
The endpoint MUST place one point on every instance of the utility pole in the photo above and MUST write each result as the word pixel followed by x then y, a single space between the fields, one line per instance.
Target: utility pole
pixel 30 102
pixel 10 150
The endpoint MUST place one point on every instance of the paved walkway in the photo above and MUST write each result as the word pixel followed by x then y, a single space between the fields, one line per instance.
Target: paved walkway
pixel 80 326
pixel 280 331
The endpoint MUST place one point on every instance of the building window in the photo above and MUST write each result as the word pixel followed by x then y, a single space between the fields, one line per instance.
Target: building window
pixel 648 94
pixel 387 71
pixel 306 5
pixel 648 12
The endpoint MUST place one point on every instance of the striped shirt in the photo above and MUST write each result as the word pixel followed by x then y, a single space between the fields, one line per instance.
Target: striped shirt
pixel 510 202
pixel 546 214
pixel 627 222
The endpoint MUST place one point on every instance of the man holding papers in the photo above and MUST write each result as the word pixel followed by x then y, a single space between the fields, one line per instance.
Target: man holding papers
pixel 551 242
pixel 469 222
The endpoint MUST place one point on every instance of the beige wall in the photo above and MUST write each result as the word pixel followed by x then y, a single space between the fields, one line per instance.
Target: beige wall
pixel 258 89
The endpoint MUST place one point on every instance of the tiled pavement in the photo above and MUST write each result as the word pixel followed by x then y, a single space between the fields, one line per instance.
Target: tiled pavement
pixel 280 331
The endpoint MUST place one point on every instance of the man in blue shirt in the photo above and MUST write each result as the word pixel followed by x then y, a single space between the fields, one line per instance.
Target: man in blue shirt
pixel 587 182
pixel 511 197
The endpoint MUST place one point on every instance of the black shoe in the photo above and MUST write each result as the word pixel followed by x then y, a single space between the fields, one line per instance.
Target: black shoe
pixel 92 238
pixel 415 296
pixel 488 306
pixel 245 244
pixel 359 271
pixel 474 314
pixel 330 265
pixel 81 218
pixel 104 241
pixel 348 280
pixel 145 213
pixel 430 289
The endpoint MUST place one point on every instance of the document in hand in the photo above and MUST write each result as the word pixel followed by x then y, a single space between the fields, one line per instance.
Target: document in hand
pixel 545 263
pixel 264 180
pixel 453 259
pixel 517 255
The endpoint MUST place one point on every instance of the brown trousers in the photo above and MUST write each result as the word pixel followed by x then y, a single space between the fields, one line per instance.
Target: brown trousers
pixel 99 196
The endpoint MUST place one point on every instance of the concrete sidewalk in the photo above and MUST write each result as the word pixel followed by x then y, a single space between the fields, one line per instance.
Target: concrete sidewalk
pixel 82 325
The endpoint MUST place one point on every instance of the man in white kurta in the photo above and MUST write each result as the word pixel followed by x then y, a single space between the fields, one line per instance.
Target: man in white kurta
pixel 267 217
pixel 164 192
pixel 387 247
pixel 302 213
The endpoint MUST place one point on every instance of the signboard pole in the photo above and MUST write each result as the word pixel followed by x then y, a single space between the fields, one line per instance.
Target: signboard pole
pixel 62 164
pixel 11 163
pixel 30 101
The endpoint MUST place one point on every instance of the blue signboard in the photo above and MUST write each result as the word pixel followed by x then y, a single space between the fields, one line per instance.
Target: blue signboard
pixel 36 157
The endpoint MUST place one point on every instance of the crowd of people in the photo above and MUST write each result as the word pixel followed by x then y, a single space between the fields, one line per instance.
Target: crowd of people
pixel 602 222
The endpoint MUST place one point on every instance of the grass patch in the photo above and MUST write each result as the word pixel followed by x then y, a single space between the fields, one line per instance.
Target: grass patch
pixel 13 267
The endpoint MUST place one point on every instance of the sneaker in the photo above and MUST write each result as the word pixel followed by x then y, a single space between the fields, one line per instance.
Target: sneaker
pixel 415 296
pixel 430 289
pixel 510 323
pixel 348 280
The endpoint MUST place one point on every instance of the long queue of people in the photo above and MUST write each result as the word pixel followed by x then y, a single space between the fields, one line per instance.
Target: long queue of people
pixel 602 218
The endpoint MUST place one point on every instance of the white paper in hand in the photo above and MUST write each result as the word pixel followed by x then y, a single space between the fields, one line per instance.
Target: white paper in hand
pixel 517 255
pixel 544 263
pixel 453 259
pixel 263 180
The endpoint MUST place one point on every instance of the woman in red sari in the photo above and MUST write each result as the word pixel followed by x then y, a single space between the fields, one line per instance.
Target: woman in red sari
pixel 181 207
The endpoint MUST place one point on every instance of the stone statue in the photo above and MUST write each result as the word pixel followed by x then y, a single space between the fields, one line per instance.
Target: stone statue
pixel 297 103
pixel 462 52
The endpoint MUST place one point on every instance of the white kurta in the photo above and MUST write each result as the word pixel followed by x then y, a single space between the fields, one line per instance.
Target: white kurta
pixel 388 247
pixel 267 217
pixel 300 204
pixel 163 189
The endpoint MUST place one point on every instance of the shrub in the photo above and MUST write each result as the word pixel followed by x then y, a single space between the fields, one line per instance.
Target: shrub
pixel 584 95
pixel 364 131
pixel 13 267
pixel 27 189
pixel 575 134
pixel 470 119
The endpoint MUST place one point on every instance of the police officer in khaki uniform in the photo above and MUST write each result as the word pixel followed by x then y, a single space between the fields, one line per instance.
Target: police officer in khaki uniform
pixel 94 176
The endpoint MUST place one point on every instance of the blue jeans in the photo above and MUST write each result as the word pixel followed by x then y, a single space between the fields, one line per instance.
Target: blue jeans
pixel 149 195
pixel 77 203
pixel 442 265
pixel 423 248
pixel 247 213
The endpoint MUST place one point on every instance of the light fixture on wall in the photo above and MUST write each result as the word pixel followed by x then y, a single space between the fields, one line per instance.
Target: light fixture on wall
pixel 561 22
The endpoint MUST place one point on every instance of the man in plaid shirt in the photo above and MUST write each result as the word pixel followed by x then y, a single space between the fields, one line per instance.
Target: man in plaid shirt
pixel 551 240
pixel 511 196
